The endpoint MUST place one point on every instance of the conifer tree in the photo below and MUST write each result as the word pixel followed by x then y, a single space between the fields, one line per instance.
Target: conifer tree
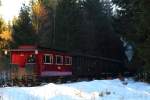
pixel 67 24
pixel 133 23
pixel 22 28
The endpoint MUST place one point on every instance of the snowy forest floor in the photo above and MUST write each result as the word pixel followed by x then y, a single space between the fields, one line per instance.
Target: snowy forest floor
pixel 92 90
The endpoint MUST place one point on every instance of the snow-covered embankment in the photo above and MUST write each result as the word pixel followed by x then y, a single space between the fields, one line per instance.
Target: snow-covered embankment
pixel 93 90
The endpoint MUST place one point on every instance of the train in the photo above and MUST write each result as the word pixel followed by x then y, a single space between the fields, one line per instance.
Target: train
pixel 30 63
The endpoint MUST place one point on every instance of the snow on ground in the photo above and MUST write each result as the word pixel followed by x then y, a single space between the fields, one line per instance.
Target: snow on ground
pixel 93 90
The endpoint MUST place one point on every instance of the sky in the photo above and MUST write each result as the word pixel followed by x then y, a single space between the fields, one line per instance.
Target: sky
pixel 11 8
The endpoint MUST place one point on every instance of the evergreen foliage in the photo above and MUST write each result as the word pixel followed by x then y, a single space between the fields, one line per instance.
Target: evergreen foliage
pixel 73 25
pixel 98 30
pixel 133 23
pixel 67 25
pixel 22 28
pixel 86 26
pixel 76 26
pixel 82 26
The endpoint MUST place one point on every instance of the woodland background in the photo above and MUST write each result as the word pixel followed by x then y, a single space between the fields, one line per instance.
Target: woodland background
pixel 87 26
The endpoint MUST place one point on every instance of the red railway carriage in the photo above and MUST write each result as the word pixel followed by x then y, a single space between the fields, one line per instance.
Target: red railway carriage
pixel 29 60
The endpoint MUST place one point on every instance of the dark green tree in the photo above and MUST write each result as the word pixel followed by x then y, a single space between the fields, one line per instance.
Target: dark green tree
pixel 100 38
pixel 132 22
pixel 125 18
pixel 22 28
pixel 142 25
pixel 67 25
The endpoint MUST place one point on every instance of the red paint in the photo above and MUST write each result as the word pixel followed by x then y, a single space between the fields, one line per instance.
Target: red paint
pixel 19 57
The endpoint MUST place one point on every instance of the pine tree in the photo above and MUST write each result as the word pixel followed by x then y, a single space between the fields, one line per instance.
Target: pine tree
pixel 97 27
pixel 133 23
pixel 22 28
pixel 142 25
pixel 67 25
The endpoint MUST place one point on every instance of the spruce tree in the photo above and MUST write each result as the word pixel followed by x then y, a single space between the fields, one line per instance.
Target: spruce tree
pixel 67 25
pixel 22 28
pixel 98 30
pixel 132 22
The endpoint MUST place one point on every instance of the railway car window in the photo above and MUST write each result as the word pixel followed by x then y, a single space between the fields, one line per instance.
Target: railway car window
pixel 59 59
pixel 48 58
pixel 68 60
pixel 31 58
